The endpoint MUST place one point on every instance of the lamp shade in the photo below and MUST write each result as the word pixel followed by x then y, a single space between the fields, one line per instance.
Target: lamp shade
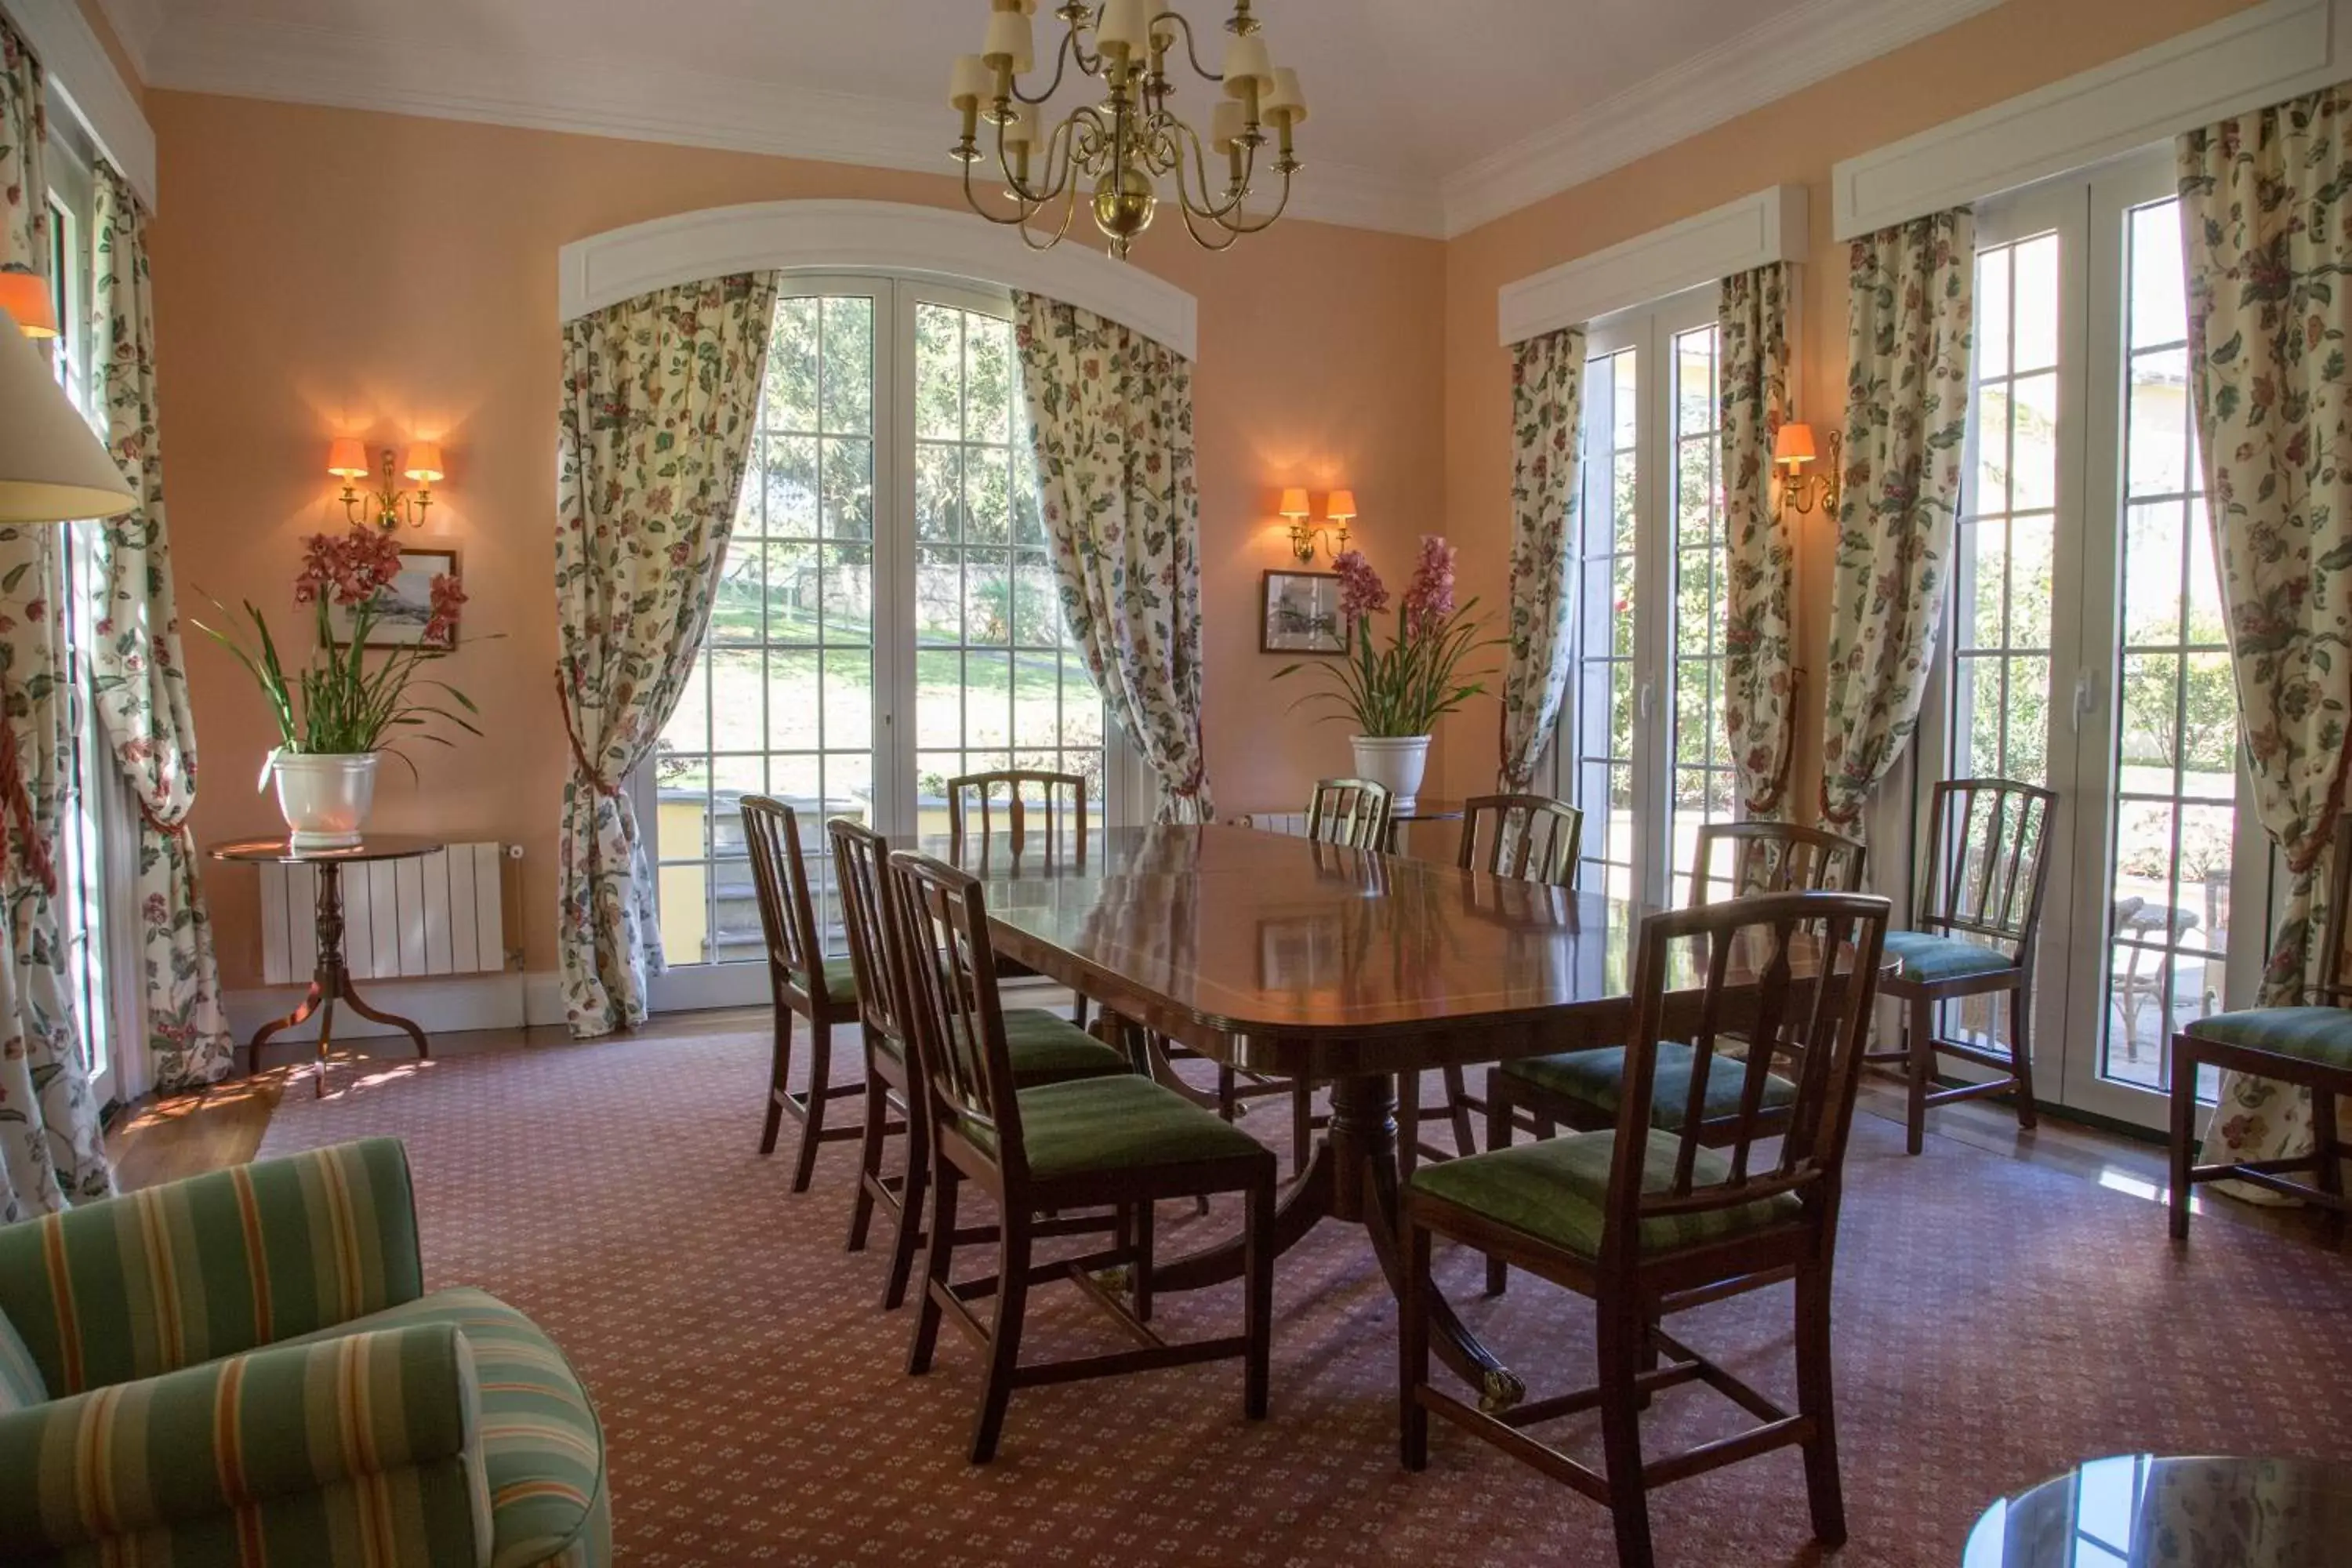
pixel 26 296
pixel 347 459
pixel 1286 101
pixel 1295 504
pixel 1793 446
pixel 53 467
pixel 424 464
pixel 1342 508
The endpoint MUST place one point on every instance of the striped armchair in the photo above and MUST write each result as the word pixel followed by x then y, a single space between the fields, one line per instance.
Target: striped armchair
pixel 244 1368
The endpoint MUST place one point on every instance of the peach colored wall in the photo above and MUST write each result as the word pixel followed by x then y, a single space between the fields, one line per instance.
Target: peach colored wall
pixel 321 271
pixel 2011 49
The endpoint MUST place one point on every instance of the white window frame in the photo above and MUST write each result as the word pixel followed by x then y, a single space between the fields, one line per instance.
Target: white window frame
pixel 1129 789
pixel 1650 333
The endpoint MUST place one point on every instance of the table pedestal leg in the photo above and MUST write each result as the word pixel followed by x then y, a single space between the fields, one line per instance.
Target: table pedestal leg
pixel 331 982
pixel 1353 1177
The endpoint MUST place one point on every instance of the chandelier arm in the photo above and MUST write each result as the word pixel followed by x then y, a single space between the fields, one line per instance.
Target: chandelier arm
pixel 1214 211
pixel 971 199
pixel 1207 206
pixel 1062 57
pixel 1070 213
pixel 1213 247
pixel 1022 191
pixel 1271 218
pixel 1192 45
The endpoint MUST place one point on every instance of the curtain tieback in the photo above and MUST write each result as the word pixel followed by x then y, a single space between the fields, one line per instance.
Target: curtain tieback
pixel 176 828
pixel 32 849
pixel 580 752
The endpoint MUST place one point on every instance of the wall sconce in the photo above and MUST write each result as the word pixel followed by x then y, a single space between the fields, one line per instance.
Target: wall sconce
pixel 1792 452
pixel 1339 511
pixel 389 506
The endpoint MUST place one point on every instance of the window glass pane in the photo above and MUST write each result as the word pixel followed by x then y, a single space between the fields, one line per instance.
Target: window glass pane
pixel 1598 728
pixel 1701 786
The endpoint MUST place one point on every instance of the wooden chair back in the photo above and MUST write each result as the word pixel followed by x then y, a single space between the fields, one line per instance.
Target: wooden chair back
pixel 787 912
pixel 1351 813
pixel 940 924
pixel 1989 861
pixel 1014 800
pixel 1784 985
pixel 1741 860
pixel 1528 837
pixel 858 853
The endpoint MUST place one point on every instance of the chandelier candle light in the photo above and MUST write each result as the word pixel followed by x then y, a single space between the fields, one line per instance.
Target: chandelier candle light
pixel 1116 152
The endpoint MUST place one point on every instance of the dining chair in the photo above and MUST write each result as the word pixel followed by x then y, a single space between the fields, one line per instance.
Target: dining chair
pixel 1528 837
pixel 1979 914
pixel 1348 813
pixel 803 982
pixel 1355 814
pixel 1044 1049
pixel 2308 1048
pixel 1583 1090
pixel 1055 803
pixel 1122 1142
pixel 1647 1222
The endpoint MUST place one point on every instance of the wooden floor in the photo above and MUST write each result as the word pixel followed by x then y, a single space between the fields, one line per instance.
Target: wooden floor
pixel 164 1140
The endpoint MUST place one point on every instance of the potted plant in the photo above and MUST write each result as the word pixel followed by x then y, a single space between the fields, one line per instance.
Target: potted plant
pixel 1397 694
pixel 339 714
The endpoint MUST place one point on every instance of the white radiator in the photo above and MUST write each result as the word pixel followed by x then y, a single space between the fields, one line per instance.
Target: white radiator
pixel 1291 824
pixel 443 913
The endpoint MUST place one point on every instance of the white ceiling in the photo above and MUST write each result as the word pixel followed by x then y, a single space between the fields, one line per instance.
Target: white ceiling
pixel 1429 116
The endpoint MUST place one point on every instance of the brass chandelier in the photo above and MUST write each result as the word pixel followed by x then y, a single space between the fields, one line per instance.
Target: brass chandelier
pixel 1116 152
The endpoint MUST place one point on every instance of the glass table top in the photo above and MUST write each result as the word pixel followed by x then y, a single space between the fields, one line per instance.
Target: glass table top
pixel 2143 1510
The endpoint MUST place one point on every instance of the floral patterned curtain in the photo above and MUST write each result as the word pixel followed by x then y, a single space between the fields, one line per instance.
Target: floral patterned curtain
pixel 1110 415
pixel 139 679
pixel 1759 714
pixel 1907 339
pixel 1547 495
pixel 51 1155
pixel 2267 229
pixel 660 396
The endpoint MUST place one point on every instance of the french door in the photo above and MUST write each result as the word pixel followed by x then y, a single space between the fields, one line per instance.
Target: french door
pixel 1641 747
pixel 886 619
pixel 2085 646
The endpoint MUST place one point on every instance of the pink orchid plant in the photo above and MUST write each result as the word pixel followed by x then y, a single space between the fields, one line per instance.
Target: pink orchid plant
pixel 1405 688
pixel 337 705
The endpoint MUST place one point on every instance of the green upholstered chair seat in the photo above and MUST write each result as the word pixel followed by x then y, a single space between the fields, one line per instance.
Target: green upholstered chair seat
pixel 2318 1035
pixel 1121 1124
pixel 1557 1192
pixel 840 981
pixel 541 1443
pixel 1597 1079
pixel 1923 959
pixel 1048 1049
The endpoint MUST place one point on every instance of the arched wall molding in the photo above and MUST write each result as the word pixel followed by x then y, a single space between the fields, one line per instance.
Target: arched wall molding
pixel 854 237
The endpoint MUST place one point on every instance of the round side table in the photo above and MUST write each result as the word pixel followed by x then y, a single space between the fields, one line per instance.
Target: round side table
pixel 330 981
pixel 2147 1510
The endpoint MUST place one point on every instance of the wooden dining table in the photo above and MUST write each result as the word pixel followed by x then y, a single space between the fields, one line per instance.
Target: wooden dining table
pixel 1310 961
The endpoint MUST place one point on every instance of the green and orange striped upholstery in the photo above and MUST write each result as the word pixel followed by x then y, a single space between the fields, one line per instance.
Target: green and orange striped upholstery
pixel 121 1463
pixel 243 1369
pixel 192 1270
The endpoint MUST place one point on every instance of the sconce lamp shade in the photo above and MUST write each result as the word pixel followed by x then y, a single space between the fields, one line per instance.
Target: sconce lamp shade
pixel 1295 504
pixel 1342 508
pixel 26 296
pixel 53 467
pixel 1793 446
pixel 347 459
pixel 425 462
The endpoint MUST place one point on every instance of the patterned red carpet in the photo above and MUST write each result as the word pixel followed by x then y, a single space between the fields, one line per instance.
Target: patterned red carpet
pixel 1996 1321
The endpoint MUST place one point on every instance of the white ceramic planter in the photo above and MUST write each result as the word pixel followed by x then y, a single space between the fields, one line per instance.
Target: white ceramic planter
pixel 1397 761
pixel 325 798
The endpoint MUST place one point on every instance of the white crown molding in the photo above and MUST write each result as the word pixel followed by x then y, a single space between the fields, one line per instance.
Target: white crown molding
pixel 137 24
pixel 1809 43
pixel 836 237
pixel 82 73
pixel 2251 60
pixel 1754 231
pixel 304 64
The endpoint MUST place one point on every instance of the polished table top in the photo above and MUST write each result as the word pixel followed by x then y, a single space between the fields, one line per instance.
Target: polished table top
pixel 2139 1511
pixel 1308 958
pixel 279 852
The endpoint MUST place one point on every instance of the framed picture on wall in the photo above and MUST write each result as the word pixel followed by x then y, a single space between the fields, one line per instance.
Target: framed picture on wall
pixel 404 609
pixel 1303 613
